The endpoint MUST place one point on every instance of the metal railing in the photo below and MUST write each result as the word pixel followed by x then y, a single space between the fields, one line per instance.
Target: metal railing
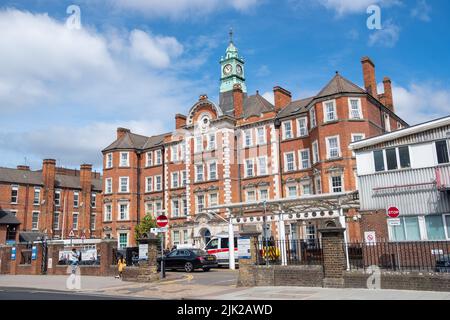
pixel 298 252
pixel 428 256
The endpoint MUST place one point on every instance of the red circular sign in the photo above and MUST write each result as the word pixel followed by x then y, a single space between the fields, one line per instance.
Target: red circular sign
pixel 162 221
pixel 393 212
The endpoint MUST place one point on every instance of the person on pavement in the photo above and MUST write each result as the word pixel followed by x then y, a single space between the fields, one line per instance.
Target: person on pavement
pixel 121 264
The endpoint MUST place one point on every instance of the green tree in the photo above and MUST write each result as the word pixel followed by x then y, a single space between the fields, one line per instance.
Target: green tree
pixel 144 227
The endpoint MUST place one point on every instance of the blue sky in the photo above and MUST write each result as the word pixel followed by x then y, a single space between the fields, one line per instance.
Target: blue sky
pixel 136 63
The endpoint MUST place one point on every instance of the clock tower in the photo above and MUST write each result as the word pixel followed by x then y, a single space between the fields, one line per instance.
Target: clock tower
pixel 232 69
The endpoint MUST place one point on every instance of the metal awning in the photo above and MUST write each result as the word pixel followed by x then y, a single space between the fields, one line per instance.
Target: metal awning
pixel 306 203
pixel 7 218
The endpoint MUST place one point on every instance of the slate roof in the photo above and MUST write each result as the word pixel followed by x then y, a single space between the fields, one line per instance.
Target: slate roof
pixel 294 107
pixel 8 218
pixel 16 176
pixel 30 236
pixel 253 105
pixel 135 141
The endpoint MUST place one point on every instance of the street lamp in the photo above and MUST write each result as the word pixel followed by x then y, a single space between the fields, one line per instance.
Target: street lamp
pixel 44 246
pixel 265 232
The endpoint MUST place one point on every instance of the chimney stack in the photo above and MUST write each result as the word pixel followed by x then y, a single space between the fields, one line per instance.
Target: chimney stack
pixel 389 100
pixel 121 132
pixel 282 98
pixel 238 101
pixel 370 82
pixel 180 121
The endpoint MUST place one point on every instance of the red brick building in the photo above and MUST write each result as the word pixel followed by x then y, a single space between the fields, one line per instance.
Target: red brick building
pixel 51 201
pixel 243 149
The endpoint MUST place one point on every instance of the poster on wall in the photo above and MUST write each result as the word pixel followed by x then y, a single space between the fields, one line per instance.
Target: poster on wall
pixel 143 251
pixel 13 253
pixel 244 248
pixel 34 253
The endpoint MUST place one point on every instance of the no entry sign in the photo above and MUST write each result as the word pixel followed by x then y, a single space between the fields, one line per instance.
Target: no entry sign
pixel 393 212
pixel 162 221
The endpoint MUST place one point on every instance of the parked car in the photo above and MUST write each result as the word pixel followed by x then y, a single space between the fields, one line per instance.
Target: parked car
pixel 443 264
pixel 189 260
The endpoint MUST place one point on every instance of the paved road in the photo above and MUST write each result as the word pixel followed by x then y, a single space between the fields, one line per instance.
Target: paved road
pixel 8 293
pixel 215 277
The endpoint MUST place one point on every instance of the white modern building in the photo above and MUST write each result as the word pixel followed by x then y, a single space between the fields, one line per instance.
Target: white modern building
pixel 408 169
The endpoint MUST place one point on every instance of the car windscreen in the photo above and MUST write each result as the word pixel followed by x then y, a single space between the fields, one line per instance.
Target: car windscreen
pixel 199 252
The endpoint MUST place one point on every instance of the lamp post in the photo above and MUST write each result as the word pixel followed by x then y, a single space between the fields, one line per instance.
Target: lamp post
pixel 44 247
pixel 265 233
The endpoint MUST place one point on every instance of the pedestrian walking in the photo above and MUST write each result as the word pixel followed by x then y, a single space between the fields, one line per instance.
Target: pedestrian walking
pixel 74 259
pixel 121 264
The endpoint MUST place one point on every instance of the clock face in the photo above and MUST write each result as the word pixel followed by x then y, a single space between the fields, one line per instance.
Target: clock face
pixel 227 69
pixel 239 69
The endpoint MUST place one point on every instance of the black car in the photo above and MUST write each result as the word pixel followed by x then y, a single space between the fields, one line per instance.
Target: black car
pixel 443 264
pixel 189 260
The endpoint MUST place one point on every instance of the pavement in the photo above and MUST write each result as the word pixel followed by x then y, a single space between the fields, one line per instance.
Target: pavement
pixel 214 285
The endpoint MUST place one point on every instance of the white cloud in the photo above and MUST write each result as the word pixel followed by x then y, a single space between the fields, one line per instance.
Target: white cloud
pixel 156 51
pixel 343 7
pixel 422 11
pixel 269 97
pixel 263 71
pixel 420 102
pixel 183 9
pixel 68 85
pixel 388 36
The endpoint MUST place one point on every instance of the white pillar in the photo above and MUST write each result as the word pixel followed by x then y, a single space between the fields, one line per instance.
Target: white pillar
pixel 344 225
pixel 231 242
pixel 282 233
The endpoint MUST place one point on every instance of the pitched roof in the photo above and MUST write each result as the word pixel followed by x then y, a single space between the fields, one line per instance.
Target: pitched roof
pixel 8 218
pixel 135 141
pixel 16 176
pixel 255 105
pixel 297 106
pixel 11 175
pixel 339 84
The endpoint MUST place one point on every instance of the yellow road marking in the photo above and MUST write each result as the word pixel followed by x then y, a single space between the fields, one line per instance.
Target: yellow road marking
pixel 187 278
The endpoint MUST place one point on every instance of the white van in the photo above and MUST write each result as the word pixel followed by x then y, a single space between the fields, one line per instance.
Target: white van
pixel 218 246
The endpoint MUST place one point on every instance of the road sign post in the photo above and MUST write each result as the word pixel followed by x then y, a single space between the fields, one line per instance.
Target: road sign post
pixel 162 222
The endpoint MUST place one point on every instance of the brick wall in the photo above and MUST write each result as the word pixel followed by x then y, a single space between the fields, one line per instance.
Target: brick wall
pixel 375 221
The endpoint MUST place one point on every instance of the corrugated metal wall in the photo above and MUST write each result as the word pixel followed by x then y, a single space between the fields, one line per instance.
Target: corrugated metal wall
pixel 411 200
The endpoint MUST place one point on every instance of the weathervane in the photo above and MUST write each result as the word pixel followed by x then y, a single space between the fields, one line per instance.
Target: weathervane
pixel 231 35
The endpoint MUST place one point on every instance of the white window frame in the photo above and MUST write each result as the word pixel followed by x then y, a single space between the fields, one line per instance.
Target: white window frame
pixel 122 164
pixel 300 157
pixel 158 186
pixel 387 122
pixel 197 172
pixel 37 191
pixel 252 166
pixel 158 204
pixel 175 209
pixel 330 181
pixel 183 181
pixel 212 146
pixel 260 191
pixel 107 217
pixel 158 157
pixel 316 156
pixel 248 133
pixel 92 223
pixel 210 202
pixel 215 170
pixel 149 159
pixel 299 120
pixel 16 189
pixel 197 202
pixel 109 160
pixel 108 186
pixel 313 117
pixel 338 142
pixel 174 153
pixel 259 168
pixel 38 218
pixel 75 226
pixel 198 143
pixel 363 136
pixel 56 214
pixel 247 198
pixel 118 239
pixel 286 165
pixel 175 181
pixel 120 185
pixel 316 189
pixel 283 126
pixel 127 212
pixel 184 206
pixel 306 183
pixel 263 136
pixel 288 186
pixel 325 112
pixel 57 192
pixel 76 203
pixel 93 200
pixel 350 109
